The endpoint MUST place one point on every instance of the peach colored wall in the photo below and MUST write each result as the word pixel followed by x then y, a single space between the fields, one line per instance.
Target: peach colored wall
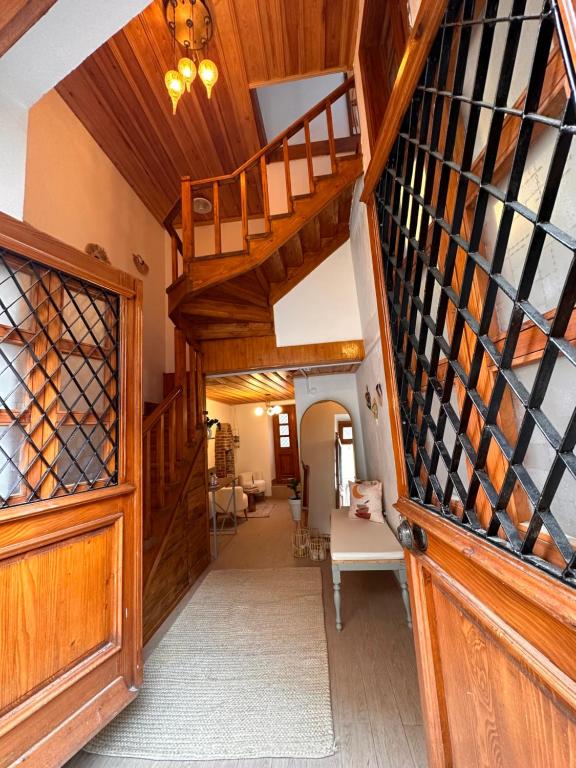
pixel 74 192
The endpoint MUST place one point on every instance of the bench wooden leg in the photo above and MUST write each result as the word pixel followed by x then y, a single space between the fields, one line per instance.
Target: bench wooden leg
pixel 337 598
pixel 403 581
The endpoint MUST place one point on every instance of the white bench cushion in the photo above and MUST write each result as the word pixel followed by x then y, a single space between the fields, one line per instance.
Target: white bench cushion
pixel 353 539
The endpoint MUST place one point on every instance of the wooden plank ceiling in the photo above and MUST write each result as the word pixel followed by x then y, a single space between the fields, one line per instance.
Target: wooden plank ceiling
pixel 118 93
pixel 268 385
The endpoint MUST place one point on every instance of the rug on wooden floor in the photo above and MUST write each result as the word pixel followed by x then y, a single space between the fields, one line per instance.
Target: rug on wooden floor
pixel 242 673
pixel 263 509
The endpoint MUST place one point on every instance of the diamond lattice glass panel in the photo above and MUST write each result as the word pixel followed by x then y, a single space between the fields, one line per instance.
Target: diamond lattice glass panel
pixel 284 429
pixel 283 418
pixel 58 383
pixel 478 241
pixel 284 442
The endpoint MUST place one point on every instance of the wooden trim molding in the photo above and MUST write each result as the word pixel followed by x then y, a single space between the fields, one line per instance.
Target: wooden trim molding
pixel 419 44
pixel 521 577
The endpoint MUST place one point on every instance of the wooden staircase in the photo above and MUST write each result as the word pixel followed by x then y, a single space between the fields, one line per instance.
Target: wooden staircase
pixel 176 536
pixel 273 221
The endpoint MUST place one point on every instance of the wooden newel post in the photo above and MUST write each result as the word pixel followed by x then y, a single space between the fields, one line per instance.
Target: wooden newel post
pixel 181 380
pixel 187 225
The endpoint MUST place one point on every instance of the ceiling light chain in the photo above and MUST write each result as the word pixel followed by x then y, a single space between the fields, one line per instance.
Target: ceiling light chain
pixel 190 24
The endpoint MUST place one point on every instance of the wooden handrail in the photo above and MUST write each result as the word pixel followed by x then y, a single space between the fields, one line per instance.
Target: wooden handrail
pixel 257 167
pixel 420 41
pixel 278 140
pixel 162 408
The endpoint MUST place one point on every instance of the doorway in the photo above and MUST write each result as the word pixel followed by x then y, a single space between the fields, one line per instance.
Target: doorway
pixel 327 446
pixel 285 445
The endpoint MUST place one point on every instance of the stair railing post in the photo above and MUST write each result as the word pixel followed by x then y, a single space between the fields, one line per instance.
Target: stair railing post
pixel 244 208
pixel 331 142
pixel 187 225
pixel 161 461
pixel 147 532
pixel 265 197
pixel 180 381
pixel 217 224
pixel 286 153
pixel 309 160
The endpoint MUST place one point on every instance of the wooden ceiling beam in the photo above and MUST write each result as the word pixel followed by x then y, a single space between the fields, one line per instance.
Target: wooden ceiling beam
pixel 227 311
pixel 257 354
pixel 196 331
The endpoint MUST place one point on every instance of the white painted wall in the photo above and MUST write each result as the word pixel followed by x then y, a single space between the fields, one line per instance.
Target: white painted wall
pixel 69 32
pixel 377 436
pixel 75 193
pixel 340 387
pixel 256 451
pixel 284 103
pixel 13 127
pixel 323 307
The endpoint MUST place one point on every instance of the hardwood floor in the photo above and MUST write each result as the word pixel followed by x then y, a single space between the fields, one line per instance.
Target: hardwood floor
pixel 375 696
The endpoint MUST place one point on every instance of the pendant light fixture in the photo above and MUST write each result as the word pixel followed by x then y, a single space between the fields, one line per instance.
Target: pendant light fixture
pixel 190 24
pixel 271 410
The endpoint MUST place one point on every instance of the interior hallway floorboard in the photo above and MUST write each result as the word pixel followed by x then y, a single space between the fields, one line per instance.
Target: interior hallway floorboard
pixel 375 699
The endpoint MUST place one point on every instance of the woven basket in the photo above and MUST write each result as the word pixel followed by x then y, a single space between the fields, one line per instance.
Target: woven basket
pixel 300 542
pixel 317 548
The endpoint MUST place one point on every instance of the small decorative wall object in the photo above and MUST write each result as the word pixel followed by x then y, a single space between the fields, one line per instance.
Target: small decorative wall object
pixel 379 394
pixel 374 410
pixel 140 264
pixel 95 250
pixel 368 398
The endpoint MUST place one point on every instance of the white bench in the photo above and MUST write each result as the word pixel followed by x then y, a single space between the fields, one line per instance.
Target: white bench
pixel 359 545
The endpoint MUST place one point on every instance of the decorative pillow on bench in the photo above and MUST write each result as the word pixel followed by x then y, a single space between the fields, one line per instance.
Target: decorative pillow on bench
pixel 366 500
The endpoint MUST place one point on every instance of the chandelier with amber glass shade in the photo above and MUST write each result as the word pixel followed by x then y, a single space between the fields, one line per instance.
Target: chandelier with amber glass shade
pixel 191 27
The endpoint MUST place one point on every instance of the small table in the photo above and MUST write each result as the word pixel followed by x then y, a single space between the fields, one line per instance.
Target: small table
pixel 223 482
pixel 360 545
pixel 253 494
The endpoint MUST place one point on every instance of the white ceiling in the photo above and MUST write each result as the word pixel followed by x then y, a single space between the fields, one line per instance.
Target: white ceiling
pixel 67 34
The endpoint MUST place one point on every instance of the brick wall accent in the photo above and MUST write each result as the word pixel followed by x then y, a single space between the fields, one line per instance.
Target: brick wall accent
pixel 224 451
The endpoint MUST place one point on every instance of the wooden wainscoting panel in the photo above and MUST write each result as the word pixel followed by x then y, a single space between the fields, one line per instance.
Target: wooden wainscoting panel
pixel 185 549
pixel 57 606
pixel 492 688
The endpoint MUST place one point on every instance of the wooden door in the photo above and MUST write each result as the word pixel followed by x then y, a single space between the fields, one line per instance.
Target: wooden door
pixel 474 256
pixel 70 499
pixel 286 444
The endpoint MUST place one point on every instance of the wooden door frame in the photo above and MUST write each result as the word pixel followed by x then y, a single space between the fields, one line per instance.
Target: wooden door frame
pixel 50 723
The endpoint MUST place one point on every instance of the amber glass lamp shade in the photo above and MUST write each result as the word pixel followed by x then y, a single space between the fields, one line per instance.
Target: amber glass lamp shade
pixel 175 85
pixel 208 73
pixel 187 69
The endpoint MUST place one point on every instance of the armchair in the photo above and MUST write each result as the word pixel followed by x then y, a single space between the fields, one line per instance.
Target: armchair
pixel 253 480
pixel 225 504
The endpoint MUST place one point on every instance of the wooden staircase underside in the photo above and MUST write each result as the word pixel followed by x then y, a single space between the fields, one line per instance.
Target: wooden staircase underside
pixel 232 295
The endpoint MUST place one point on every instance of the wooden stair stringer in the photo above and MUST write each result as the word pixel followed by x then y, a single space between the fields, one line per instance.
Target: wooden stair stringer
pixel 297 274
